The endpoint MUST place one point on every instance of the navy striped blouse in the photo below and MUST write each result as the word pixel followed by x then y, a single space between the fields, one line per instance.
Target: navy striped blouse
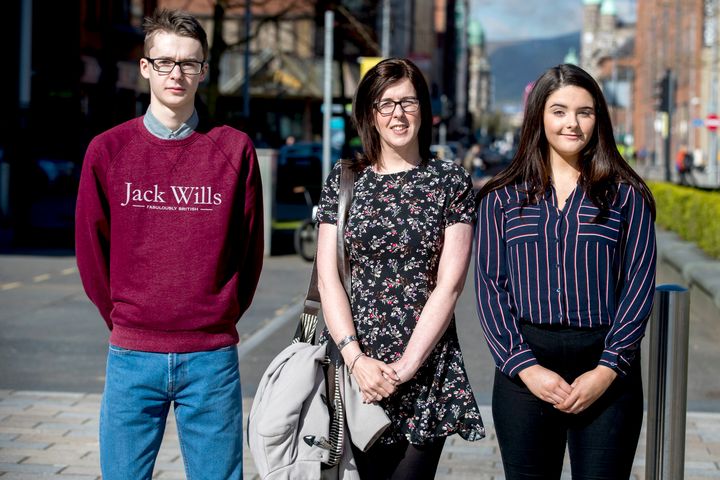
pixel 540 265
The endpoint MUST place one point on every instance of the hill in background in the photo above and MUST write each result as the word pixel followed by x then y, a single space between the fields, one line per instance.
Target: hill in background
pixel 517 63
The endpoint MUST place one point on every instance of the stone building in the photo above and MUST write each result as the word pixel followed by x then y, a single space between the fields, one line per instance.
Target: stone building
pixel 607 53
pixel 679 37
pixel 479 75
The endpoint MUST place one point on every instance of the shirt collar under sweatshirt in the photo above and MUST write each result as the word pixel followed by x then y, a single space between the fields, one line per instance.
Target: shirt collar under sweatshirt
pixel 155 127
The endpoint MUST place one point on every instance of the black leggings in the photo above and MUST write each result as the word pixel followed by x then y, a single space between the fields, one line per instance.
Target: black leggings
pixel 532 434
pixel 400 461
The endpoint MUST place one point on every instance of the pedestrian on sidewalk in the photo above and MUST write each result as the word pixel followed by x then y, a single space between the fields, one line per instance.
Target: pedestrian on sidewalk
pixel 684 166
pixel 473 161
pixel 409 238
pixel 169 248
pixel 565 276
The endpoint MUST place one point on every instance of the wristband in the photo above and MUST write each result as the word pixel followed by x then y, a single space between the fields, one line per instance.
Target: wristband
pixel 352 364
pixel 345 341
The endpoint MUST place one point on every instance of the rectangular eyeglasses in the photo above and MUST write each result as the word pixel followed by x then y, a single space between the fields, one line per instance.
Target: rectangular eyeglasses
pixel 165 65
pixel 387 107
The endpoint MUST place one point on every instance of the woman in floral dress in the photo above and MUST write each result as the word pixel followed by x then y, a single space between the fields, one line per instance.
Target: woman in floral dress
pixel 409 238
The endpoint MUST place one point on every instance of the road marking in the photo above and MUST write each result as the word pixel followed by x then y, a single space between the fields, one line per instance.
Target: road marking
pixel 38 278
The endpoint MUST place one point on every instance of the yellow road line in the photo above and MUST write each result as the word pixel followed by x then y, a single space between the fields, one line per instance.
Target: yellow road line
pixel 10 286
pixel 68 271
pixel 41 278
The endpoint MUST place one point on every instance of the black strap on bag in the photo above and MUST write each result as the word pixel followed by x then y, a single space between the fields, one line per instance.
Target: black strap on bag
pixel 347 182
pixel 305 331
pixel 308 320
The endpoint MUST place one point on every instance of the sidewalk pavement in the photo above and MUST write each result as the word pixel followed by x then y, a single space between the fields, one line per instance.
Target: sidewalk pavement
pixel 53 436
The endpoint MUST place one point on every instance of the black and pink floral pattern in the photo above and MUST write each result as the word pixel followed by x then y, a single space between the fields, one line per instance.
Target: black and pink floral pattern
pixel 394 237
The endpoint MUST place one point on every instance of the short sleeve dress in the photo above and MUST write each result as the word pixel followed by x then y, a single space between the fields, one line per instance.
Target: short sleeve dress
pixel 394 236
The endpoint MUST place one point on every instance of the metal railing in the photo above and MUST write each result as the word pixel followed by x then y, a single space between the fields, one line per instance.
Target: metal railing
pixel 667 384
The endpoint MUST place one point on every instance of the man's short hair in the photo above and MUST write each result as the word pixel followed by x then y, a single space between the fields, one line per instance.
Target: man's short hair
pixel 177 22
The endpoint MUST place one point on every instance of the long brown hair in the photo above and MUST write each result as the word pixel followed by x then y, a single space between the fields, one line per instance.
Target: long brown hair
pixel 383 75
pixel 602 167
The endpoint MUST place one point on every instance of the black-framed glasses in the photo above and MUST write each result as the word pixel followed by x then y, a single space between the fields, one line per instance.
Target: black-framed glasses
pixel 407 104
pixel 165 65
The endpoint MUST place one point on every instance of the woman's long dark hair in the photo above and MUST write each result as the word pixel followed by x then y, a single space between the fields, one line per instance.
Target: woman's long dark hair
pixel 383 75
pixel 602 167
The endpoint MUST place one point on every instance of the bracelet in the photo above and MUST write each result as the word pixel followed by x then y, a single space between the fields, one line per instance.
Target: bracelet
pixel 343 343
pixel 352 364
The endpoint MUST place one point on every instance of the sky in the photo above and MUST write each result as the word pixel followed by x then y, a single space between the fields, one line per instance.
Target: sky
pixel 523 19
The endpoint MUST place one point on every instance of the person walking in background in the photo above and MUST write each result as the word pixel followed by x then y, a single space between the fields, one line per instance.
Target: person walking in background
pixel 565 276
pixel 684 166
pixel 473 161
pixel 409 238
pixel 169 243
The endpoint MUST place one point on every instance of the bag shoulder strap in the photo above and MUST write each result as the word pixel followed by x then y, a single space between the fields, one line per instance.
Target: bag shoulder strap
pixel 308 321
pixel 347 184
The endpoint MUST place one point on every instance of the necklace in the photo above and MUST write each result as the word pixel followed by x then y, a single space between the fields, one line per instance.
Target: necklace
pixel 398 181
pixel 401 179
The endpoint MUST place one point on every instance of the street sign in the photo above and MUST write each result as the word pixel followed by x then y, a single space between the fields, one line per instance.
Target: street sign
pixel 698 122
pixel 712 122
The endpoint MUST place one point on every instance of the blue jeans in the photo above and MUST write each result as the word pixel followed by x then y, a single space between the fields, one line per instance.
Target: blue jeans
pixel 139 388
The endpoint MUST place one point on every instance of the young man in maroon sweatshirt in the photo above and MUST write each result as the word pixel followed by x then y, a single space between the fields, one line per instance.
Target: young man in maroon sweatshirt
pixel 169 247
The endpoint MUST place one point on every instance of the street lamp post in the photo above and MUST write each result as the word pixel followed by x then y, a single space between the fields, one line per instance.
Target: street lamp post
pixel 670 94
pixel 385 39
pixel 246 62
pixel 327 93
pixel 711 40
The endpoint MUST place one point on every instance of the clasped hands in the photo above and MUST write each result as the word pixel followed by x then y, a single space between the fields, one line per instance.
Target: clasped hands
pixel 568 398
pixel 377 379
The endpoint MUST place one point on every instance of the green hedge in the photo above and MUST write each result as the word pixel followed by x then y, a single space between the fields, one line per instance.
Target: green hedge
pixel 691 213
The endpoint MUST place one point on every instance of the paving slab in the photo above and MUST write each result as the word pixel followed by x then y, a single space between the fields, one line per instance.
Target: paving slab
pixel 41 452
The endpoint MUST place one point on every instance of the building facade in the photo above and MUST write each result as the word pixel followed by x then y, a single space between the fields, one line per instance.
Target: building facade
pixel 479 76
pixel 75 73
pixel 607 52
pixel 677 38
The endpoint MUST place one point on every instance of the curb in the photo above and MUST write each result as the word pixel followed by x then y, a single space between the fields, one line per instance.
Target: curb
pixel 696 267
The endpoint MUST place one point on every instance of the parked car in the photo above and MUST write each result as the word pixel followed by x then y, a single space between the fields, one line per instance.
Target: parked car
pixel 298 182
pixel 492 156
pixel 458 149
pixel 47 205
pixel 445 152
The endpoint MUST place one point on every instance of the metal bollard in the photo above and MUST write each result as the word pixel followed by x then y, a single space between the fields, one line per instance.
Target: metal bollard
pixel 667 384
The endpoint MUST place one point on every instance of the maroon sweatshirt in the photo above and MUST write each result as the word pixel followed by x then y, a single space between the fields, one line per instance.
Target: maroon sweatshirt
pixel 169 236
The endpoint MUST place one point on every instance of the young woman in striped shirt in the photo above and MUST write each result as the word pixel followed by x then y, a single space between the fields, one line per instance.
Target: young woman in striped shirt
pixel 565 275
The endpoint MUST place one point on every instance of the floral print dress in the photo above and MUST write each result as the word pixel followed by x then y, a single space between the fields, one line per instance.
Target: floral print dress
pixel 394 236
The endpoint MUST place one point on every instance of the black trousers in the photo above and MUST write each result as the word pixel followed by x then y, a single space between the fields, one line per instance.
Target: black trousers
pixel 400 461
pixel 532 434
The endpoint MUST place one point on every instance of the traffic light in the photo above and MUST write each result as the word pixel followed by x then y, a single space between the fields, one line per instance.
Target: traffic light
pixel 665 92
